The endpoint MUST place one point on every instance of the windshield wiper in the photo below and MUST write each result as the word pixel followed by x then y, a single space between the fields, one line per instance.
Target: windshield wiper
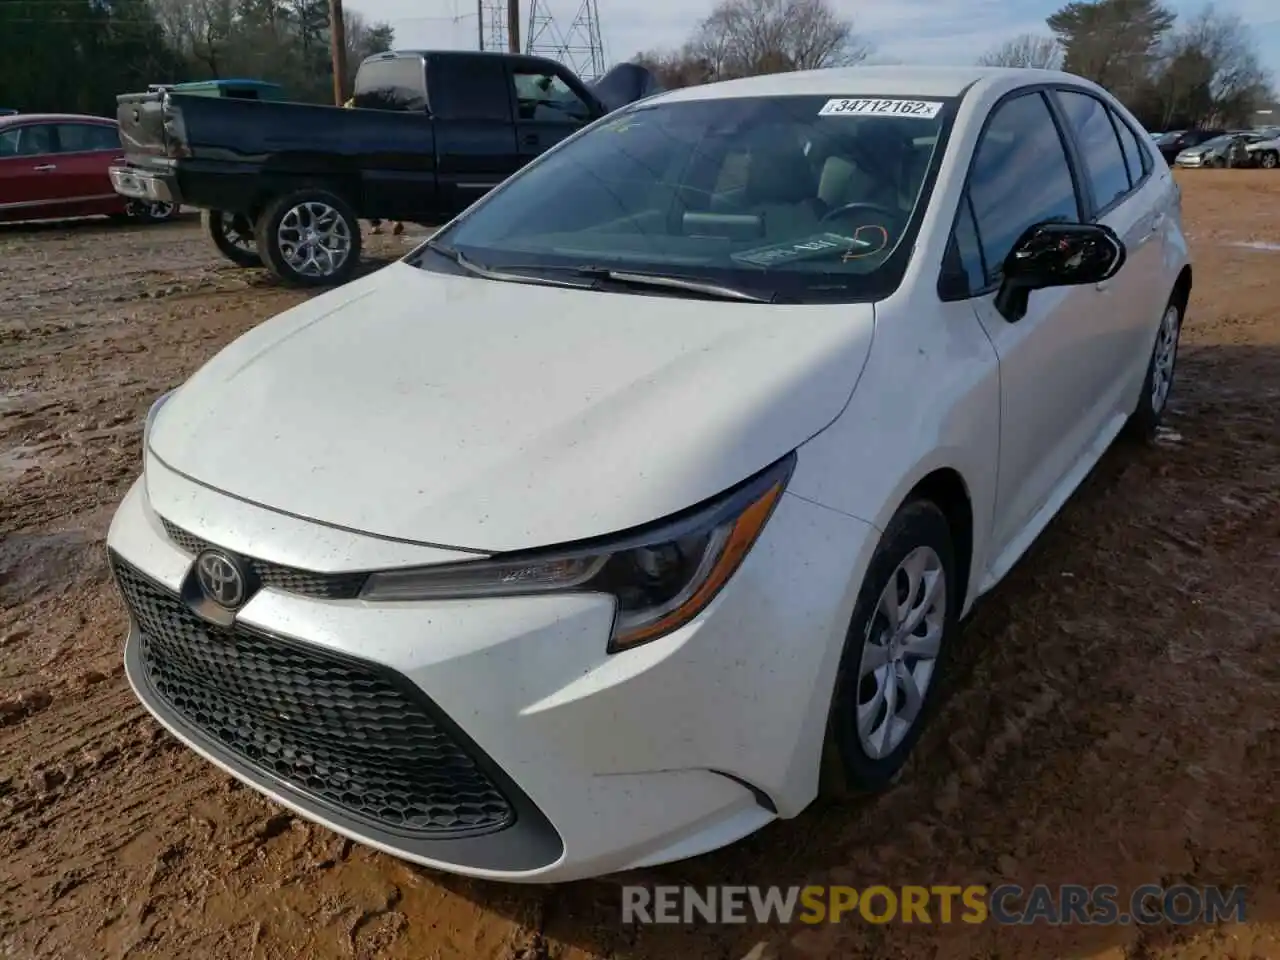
pixel 487 273
pixel 717 290
pixel 597 273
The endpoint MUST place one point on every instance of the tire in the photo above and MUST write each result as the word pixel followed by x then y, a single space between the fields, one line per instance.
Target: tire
pixel 918 531
pixel 233 235
pixel 1269 160
pixel 291 216
pixel 1217 163
pixel 1158 383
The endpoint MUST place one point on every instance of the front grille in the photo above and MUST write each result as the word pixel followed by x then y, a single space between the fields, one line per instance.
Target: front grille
pixel 326 586
pixel 350 735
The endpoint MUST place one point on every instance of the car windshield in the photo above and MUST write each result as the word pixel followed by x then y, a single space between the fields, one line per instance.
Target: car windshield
pixel 798 197
pixel 1168 139
pixel 1221 141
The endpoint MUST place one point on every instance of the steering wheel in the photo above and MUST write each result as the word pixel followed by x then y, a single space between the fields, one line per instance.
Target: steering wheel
pixel 891 214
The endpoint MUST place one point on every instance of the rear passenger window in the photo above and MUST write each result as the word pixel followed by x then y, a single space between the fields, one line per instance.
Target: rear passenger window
pixel 1020 177
pixel 1137 158
pixel 1099 147
pixel 395 83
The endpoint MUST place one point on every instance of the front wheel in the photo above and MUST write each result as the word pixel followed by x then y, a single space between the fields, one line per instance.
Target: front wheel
pixel 1269 160
pixel 1158 382
pixel 309 238
pixel 903 623
pixel 232 234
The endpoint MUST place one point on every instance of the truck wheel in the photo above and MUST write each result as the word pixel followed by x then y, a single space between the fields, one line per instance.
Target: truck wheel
pixel 232 234
pixel 309 238
pixel 156 212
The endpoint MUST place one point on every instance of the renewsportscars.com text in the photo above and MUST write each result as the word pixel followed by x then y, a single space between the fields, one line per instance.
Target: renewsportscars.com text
pixel 973 903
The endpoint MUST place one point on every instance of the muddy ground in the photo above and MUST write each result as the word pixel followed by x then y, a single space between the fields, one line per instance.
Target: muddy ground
pixel 1114 718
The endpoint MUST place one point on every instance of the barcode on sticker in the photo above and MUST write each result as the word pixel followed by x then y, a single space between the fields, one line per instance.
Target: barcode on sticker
pixel 855 107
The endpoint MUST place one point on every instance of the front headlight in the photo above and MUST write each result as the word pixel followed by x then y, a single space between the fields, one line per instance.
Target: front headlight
pixel 151 417
pixel 660 576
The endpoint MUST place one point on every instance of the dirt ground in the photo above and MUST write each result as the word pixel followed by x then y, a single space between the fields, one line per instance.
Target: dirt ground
pixel 1113 719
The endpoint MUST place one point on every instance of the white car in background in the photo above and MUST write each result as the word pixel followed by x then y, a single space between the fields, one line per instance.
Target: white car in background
pixel 1265 153
pixel 642 501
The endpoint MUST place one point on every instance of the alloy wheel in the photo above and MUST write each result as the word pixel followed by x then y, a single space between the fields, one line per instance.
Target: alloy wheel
pixel 314 239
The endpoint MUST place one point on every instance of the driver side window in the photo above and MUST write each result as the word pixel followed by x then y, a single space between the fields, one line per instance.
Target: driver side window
pixel 1020 176
pixel 546 97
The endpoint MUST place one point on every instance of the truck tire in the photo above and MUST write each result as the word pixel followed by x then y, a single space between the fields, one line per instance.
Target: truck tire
pixel 232 234
pixel 1269 160
pixel 309 238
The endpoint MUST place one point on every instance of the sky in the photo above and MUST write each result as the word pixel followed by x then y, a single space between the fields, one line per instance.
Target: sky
pixel 901 31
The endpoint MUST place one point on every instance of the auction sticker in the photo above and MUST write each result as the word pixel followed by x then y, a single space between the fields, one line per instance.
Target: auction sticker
pixel 852 107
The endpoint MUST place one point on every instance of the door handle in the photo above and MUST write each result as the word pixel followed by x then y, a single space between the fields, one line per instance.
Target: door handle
pixel 1103 286
pixel 529 139
pixel 45 167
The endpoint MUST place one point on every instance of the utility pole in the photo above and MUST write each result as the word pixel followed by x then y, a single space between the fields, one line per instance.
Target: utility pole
pixel 480 21
pixel 338 50
pixel 513 26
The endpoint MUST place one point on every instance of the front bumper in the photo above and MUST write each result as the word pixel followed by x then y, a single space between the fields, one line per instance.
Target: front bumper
pixel 606 763
pixel 148 185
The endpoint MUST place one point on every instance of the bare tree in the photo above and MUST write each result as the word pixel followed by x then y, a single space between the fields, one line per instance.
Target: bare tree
pixel 1024 50
pixel 747 37
pixel 1211 73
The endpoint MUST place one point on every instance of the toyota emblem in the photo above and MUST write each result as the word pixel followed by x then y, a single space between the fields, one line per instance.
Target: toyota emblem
pixel 221 578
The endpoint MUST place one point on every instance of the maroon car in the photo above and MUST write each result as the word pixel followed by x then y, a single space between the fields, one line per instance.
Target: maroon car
pixel 54 166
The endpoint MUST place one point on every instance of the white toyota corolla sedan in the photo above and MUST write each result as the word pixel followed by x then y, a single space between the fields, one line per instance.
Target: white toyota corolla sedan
pixel 640 504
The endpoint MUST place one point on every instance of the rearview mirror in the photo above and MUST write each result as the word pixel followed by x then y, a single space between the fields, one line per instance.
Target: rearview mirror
pixel 1054 254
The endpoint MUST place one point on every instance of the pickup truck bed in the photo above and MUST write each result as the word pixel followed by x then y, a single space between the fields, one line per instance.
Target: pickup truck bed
pixel 430 134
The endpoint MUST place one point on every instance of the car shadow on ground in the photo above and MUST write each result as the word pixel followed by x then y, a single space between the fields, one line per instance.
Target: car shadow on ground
pixel 1084 735
pixel 92 225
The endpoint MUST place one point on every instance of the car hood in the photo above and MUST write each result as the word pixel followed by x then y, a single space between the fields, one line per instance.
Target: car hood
pixel 498 416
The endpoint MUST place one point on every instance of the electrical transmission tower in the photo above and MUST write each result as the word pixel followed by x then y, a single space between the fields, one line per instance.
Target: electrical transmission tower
pixel 493 24
pixel 579 48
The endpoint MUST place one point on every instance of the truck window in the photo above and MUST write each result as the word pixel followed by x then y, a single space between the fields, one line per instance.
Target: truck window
pixel 546 97
pixel 469 88
pixel 396 83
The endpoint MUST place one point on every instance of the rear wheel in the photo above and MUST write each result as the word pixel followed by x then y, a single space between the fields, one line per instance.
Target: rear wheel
pixel 309 238
pixel 1158 383
pixel 1269 160
pixel 232 234
pixel 895 652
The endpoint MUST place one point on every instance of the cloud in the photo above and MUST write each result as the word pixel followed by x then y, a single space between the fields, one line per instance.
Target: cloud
pixel 906 31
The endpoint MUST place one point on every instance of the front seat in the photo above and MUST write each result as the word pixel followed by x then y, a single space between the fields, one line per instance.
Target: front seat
pixel 782 187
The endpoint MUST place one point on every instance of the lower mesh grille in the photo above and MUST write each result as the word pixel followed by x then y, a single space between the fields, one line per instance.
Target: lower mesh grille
pixel 344 733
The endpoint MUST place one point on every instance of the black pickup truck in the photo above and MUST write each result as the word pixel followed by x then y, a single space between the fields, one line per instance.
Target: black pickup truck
pixel 286 183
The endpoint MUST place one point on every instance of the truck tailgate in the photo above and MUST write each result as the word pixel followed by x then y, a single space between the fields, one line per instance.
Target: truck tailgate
pixel 142 124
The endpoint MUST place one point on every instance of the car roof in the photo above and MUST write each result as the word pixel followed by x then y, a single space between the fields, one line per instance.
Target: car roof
pixel 888 81
pixel 52 118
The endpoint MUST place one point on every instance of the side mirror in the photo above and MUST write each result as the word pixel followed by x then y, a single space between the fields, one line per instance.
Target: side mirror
pixel 1054 254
